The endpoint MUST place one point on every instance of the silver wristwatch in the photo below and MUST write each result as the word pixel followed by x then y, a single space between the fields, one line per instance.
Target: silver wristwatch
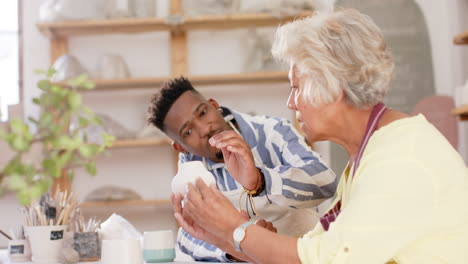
pixel 239 234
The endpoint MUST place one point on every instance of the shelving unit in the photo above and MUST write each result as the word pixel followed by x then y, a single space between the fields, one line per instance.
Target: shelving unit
pixel 139 25
pixel 462 111
pixel 177 25
pixel 237 78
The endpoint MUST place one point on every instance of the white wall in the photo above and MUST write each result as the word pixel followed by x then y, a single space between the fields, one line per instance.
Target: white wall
pixel 445 19
pixel 149 169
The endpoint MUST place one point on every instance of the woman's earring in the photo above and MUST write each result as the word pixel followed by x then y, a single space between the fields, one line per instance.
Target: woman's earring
pixel 220 110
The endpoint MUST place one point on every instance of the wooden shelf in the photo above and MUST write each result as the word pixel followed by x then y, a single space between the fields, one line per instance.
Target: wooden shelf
pixel 240 78
pixel 461 39
pixel 223 79
pixel 97 204
pixel 234 21
pixel 130 83
pixel 461 111
pixel 138 25
pixel 106 26
pixel 144 142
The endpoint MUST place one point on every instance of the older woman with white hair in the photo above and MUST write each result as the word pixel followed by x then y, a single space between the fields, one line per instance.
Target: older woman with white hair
pixel 402 197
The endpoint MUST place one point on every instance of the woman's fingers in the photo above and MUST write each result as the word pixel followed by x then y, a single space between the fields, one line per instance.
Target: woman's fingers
pixel 184 224
pixel 176 199
pixel 193 195
pixel 204 190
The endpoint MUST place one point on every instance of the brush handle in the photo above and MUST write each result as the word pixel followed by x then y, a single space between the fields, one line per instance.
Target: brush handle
pixel 7 236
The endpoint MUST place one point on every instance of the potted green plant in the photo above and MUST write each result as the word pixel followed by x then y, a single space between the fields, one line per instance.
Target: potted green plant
pixel 62 147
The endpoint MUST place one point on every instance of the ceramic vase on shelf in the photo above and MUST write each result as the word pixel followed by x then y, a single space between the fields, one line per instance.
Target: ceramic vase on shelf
pixel 46 243
pixel 143 8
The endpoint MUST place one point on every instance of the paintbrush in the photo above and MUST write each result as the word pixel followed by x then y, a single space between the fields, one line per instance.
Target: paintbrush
pixel 7 236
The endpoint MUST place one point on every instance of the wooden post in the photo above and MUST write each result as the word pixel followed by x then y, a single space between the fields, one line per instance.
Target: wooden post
pixel 178 43
pixel 178 54
pixel 58 47
pixel 62 184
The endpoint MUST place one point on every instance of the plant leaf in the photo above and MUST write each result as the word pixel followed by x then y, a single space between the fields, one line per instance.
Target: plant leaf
pixel 44 85
pixel 91 168
pixel 23 197
pixel 16 182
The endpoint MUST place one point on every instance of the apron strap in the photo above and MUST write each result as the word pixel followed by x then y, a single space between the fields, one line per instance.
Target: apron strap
pixel 376 114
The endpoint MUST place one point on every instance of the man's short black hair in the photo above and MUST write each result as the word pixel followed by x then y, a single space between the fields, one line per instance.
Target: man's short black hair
pixel 162 101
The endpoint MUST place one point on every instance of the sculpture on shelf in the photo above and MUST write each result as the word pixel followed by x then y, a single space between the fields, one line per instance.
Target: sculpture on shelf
pixel 58 148
pixel 108 126
pixel 67 67
pixel 112 193
pixel 119 8
pixel 284 7
pixel 112 66
pixel 57 10
pixel 149 131
pixel 209 7
pixel 258 58
pixel 143 8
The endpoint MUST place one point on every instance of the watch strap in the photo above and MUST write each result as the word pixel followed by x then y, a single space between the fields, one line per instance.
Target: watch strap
pixel 238 241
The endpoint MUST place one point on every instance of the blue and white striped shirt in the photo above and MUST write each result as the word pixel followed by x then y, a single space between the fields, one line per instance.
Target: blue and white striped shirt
pixel 295 176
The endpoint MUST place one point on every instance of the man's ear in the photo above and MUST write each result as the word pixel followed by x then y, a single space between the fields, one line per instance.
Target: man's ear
pixel 178 147
pixel 213 103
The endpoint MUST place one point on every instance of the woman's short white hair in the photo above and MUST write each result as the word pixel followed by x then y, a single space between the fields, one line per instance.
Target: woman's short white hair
pixel 340 50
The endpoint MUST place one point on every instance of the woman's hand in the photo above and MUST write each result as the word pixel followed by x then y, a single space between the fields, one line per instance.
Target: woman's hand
pixel 238 158
pixel 207 214
pixel 192 227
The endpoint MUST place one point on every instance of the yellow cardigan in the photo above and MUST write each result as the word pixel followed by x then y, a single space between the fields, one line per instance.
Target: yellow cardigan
pixel 406 204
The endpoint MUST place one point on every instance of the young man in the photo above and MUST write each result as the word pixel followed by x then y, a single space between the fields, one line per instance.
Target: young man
pixel 262 164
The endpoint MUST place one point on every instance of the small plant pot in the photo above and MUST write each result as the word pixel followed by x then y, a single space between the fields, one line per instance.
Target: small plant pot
pixel 46 243
pixel 87 245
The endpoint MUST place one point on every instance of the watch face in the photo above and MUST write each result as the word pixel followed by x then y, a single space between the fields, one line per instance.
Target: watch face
pixel 239 234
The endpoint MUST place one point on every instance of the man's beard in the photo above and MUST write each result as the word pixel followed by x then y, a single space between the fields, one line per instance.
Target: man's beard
pixel 219 155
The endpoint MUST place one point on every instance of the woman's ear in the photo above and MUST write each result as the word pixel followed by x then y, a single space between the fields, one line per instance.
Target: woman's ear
pixel 341 96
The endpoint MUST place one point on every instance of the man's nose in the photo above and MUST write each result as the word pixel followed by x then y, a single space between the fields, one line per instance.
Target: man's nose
pixel 204 129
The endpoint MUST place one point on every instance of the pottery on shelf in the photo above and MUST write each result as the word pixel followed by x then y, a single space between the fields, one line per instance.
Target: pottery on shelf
pixel 67 67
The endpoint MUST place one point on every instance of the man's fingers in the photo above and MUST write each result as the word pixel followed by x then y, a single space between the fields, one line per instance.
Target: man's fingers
pixel 226 154
pixel 244 153
pixel 226 134
pixel 231 142
pixel 261 223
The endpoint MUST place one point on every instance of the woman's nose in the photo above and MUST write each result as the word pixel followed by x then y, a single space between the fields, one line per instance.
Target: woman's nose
pixel 291 104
